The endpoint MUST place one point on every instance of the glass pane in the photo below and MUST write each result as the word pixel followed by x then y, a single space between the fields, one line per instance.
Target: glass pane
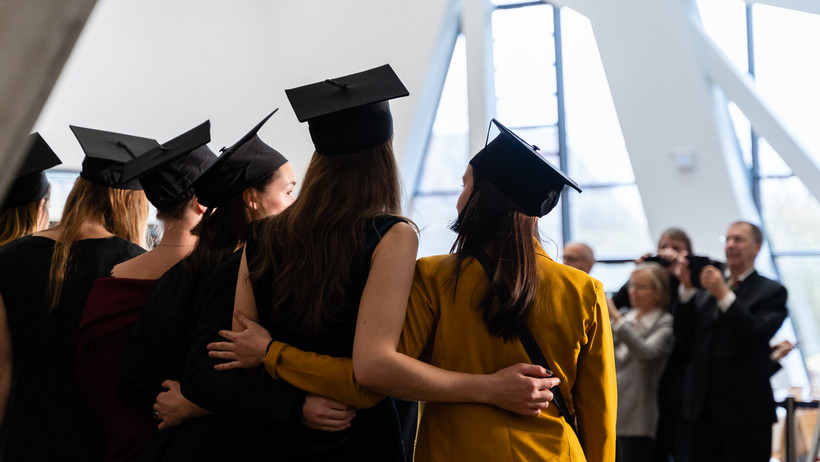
pixel 612 275
pixel 510 53
pixel 725 23
pixel 791 214
pixel 532 24
pixel 433 215
pixel 787 69
pixel 597 152
pixel 550 231
pixel 770 162
pixel 800 276
pixel 612 221
pixel 544 138
pixel 61 184
pixel 743 132
pixel 448 149
pixel 528 110
pixel 538 79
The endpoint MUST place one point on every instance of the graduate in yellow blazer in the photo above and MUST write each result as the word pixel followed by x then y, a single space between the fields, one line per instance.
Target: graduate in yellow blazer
pixel 465 319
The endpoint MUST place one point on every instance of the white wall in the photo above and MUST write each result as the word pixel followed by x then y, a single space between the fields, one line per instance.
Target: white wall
pixel 157 68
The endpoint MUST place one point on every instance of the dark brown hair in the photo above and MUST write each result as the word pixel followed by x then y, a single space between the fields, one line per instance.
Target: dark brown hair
pixel 489 222
pixel 678 235
pixel 222 231
pixel 310 247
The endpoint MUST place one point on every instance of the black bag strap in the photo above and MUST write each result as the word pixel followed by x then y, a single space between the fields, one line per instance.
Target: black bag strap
pixel 530 344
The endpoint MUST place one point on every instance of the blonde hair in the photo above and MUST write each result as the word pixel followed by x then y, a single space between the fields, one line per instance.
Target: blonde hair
pixel 122 212
pixel 660 282
pixel 19 221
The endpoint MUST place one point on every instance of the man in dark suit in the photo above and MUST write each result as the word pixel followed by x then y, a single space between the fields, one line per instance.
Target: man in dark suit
pixel 725 328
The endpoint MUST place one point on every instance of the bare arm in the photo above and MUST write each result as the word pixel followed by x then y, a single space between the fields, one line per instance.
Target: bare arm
pixel 377 363
pixel 6 361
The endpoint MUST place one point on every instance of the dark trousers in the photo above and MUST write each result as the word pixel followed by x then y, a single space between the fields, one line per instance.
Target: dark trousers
pixel 672 441
pixel 633 449
pixel 713 442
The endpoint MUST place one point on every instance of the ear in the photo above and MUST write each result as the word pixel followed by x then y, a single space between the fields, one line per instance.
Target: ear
pixel 249 196
pixel 198 208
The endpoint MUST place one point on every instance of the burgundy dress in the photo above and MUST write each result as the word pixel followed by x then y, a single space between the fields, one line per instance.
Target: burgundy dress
pixel 110 311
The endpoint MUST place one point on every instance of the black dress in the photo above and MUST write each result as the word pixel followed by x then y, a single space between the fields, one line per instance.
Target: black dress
pixel 375 434
pixel 183 315
pixel 46 417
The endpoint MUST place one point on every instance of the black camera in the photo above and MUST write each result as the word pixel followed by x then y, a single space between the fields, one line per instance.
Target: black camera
pixel 696 265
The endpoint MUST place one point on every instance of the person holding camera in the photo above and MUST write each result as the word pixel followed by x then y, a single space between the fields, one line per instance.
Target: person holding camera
pixel 725 328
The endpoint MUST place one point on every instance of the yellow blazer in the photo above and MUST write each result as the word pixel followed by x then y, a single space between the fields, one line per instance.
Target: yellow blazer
pixel 569 320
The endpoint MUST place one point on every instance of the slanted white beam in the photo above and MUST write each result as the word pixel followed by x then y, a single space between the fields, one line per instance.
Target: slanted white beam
pixel 476 25
pixel 36 38
pixel 809 6
pixel 740 89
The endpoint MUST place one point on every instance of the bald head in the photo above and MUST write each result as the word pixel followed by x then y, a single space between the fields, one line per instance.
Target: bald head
pixel 578 255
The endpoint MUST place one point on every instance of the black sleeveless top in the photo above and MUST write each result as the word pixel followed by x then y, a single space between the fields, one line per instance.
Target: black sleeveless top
pixel 375 433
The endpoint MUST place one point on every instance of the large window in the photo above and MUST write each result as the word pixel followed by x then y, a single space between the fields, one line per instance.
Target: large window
pixel 551 89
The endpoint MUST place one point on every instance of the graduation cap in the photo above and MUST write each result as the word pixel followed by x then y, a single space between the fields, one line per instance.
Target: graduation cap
pixel 106 153
pixel 30 184
pixel 241 166
pixel 167 171
pixel 519 171
pixel 348 114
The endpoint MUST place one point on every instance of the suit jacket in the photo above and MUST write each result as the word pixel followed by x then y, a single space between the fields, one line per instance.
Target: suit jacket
pixel 729 365
pixel 639 373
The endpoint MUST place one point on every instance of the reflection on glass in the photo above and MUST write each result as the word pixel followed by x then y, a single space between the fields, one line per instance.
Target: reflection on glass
pixel 611 220
pixel 800 275
pixel 791 215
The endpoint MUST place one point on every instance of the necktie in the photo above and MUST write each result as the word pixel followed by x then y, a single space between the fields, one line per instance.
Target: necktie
pixel 732 282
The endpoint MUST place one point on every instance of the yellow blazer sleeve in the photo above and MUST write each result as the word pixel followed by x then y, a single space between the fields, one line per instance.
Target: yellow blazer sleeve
pixel 421 318
pixel 321 375
pixel 595 392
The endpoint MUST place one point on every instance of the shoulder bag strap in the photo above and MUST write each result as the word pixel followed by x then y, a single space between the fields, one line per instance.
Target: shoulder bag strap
pixel 530 344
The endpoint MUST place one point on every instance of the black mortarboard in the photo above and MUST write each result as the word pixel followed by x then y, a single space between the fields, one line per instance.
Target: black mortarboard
pixel 167 171
pixel 519 171
pixel 30 184
pixel 241 166
pixel 351 113
pixel 106 153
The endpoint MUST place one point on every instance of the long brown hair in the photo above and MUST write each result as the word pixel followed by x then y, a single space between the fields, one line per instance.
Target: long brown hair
pixel 19 221
pixel 122 212
pixel 311 246
pixel 223 230
pixel 490 223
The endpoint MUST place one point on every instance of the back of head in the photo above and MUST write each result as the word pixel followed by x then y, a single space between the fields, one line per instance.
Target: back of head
pixel 19 221
pixel 512 186
pixel 122 212
pixel 321 236
pixel 249 163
